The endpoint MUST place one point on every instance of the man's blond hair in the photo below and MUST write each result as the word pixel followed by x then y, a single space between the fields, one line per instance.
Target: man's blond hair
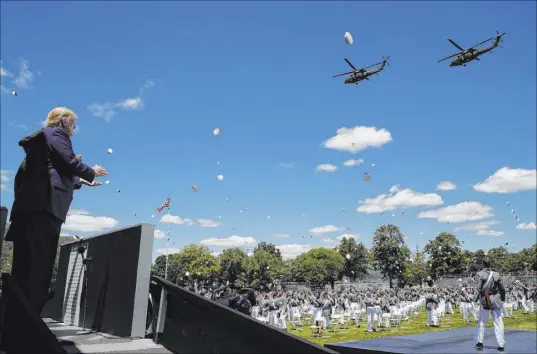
pixel 60 114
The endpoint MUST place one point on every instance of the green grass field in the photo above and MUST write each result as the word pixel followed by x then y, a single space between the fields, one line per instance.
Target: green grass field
pixel 415 325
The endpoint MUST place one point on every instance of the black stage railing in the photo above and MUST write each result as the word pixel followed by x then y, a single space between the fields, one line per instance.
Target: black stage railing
pixel 184 322
pixel 21 328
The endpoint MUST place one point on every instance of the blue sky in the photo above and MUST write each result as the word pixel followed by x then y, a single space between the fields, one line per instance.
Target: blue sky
pixel 152 80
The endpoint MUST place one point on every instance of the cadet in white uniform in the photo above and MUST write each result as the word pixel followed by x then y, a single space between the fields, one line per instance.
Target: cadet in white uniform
pixel 491 293
pixel 371 313
pixel 431 303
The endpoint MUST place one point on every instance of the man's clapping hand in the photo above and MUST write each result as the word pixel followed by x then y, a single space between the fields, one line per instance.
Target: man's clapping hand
pixel 99 171
pixel 90 184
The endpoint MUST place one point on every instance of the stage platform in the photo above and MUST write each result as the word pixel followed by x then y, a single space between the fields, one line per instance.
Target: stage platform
pixel 459 341
pixel 78 340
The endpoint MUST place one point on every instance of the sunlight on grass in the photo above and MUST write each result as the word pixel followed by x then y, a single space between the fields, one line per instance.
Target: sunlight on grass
pixel 415 325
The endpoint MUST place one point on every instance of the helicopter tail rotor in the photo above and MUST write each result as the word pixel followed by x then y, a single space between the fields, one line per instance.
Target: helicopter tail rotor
pixel 499 37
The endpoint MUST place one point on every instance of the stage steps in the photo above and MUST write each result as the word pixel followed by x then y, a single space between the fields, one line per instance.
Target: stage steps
pixel 79 340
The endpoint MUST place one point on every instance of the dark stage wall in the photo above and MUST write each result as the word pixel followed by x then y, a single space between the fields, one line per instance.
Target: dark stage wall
pixel 105 287
pixel 197 325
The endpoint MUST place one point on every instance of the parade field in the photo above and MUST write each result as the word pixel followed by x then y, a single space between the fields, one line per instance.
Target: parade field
pixel 415 325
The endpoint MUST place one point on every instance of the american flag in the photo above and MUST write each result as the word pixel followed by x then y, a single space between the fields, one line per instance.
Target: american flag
pixel 166 204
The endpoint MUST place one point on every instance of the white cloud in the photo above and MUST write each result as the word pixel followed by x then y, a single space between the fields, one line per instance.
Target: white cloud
pixel 174 219
pixel 130 103
pixel 351 163
pixel 25 77
pixel 405 198
pixel 18 125
pixel 4 72
pixel 109 109
pixel 528 226
pixel 164 251
pixel 159 234
pixel 281 235
pixel 232 241
pixel 6 178
pixel 347 236
pixel 326 168
pixel 320 230
pixel 446 186
pixel 149 84
pixel 216 254
pixel 64 234
pixel 483 225
pixel 489 233
pixel 462 212
pixel 358 139
pixel 507 180
pixel 286 165
pixel 208 223
pixel 81 221
pixel 395 189
pixel 292 251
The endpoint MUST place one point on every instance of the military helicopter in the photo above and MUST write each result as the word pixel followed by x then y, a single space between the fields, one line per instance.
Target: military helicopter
pixel 362 74
pixel 467 55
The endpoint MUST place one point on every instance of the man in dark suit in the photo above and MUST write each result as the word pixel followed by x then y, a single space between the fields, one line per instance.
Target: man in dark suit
pixel 44 186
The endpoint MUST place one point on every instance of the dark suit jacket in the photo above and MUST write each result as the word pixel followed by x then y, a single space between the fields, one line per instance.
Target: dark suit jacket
pixel 48 175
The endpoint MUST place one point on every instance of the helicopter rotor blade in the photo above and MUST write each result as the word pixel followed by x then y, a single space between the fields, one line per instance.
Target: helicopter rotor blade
pixel 451 56
pixel 456 45
pixel 485 41
pixel 370 66
pixel 350 72
pixel 350 64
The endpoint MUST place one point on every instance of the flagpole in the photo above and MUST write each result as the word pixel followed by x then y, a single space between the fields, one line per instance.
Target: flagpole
pixel 168 237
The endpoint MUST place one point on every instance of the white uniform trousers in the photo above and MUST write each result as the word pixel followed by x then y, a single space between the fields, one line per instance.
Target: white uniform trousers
pixel 432 318
pixel 371 318
pixel 354 310
pixel 449 308
pixel 524 304
pixel 294 315
pixel 497 321
pixel 465 311
pixel 326 319
pixel 316 314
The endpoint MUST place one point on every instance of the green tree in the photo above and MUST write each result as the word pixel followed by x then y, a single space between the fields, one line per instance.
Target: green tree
pixel 7 253
pixel 159 267
pixel 356 258
pixel 514 263
pixel 319 265
pixel 265 266
pixel 476 263
pixel 7 256
pixel 268 247
pixel 415 272
pixel 195 264
pixel 233 266
pixel 445 255
pixel 528 256
pixel 499 258
pixel 390 252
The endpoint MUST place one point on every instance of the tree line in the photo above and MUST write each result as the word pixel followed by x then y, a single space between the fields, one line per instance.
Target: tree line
pixel 389 254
